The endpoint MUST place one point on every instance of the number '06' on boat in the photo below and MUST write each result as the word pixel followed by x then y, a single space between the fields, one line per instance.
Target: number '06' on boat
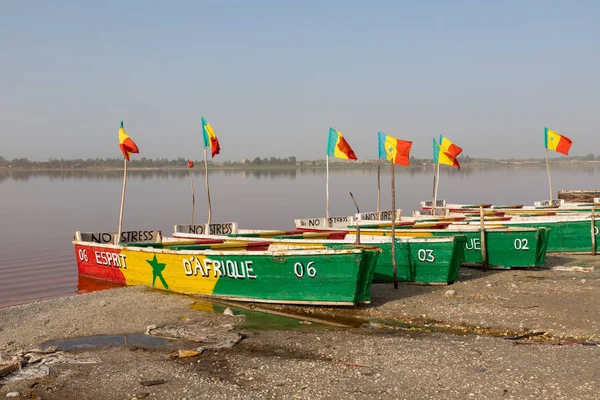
pixel 235 271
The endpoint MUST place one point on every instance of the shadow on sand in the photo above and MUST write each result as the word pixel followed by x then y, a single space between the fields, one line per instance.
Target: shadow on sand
pixel 382 293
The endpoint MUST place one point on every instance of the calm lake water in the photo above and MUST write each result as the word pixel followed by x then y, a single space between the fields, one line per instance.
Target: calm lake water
pixel 40 211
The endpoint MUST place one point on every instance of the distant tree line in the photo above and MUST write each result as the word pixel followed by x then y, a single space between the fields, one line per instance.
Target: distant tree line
pixel 272 161
pixel 54 163
pixel 465 159
pixel 143 162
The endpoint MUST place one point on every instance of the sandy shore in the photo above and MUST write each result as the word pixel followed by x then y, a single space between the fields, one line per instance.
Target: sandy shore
pixel 453 342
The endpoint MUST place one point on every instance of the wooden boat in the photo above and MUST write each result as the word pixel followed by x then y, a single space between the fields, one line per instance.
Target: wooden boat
pixel 573 226
pixel 242 271
pixel 432 261
pixel 539 208
pixel 505 248
pixel 568 233
pixel 578 195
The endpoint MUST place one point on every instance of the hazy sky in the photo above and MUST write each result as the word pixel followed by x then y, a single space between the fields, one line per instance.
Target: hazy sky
pixel 272 76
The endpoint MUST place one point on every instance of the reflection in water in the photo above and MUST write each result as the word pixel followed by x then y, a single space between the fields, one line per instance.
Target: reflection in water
pixel 289 173
pixel 181 174
pixel 25 175
pixel 93 342
pixel 89 285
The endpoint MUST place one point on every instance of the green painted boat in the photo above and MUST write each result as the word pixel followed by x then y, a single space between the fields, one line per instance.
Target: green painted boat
pixel 422 260
pixel 317 275
pixel 505 249
pixel 540 208
pixel 571 227
pixel 567 234
pixel 518 247
pixel 428 261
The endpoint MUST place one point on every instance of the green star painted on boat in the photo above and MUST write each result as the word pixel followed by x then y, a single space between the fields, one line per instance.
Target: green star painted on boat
pixel 157 269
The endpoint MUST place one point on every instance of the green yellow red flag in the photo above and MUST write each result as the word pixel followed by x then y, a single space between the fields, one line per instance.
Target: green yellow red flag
pixel 393 149
pixel 126 144
pixel 445 152
pixel 338 147
pixel 210 139
pixel 557 142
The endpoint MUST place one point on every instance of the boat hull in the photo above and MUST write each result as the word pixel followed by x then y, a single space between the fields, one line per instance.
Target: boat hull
pixel 324 276
pixel 572 236
pixel 505 248
pixel 578 195
pixel 423 260
pixel 427 262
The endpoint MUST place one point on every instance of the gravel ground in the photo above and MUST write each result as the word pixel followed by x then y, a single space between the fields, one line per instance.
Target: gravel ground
pixel 430 359
pixel 560 303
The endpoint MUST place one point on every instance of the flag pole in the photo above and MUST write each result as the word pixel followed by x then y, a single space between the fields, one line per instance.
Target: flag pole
pixel 433 191
pixel 378 187
pixel 549 179
pixel 327 189
pixel 437 183
pixel 207 187
pixel 394 229
pixel 118 239
pixel 193 196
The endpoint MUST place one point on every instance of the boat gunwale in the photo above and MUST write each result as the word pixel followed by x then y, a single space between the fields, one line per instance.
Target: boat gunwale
pixel 494 226
pixel 359 249
pixel 348 242
pixel 539 220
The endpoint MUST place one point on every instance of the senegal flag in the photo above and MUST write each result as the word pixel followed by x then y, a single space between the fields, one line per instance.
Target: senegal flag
pixel 126 144
pixel 557 142
pixel 210 139
pixel 440 156
pixel 447 146
pixel 395 150
pixel 338 147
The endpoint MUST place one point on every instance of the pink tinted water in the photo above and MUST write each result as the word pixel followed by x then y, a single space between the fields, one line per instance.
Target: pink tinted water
pixel 40 211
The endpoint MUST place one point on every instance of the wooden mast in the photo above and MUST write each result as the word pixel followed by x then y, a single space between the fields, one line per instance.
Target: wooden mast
pixel 207 187
pixel 549 178
pixel 394 228
pixel 118 238
pixel 378 187
pixel 436 181
pixel 327 190
pixel 190 166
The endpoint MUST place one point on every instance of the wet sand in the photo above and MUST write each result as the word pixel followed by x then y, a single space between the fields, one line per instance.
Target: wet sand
pixel 495 334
